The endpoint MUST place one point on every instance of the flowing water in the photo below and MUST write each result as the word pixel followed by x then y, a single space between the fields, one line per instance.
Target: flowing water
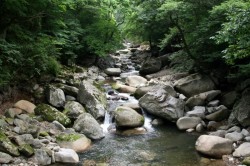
pixel 159 146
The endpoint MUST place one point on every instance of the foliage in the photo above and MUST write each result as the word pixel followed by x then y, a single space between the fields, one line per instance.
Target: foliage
pixel 215 34
pixel 37 36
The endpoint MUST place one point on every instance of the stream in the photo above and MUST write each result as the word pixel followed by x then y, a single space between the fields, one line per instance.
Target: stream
pixel 161 145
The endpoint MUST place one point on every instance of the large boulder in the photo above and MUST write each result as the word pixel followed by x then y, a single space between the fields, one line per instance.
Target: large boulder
pixel 194 84
pixel 187 122
pixel 202 98
pixel 214 146
pixel 25 106
pixel 221 113
pixel 51 114
pixel 241 111
pixel 55 96
pixel 77 142
pixel 127 117
pixel 243 150
pixel 143 90
pixel 73 109
pixel 150 66
pixel 87 125
pixel 160 103
pixel 136 81
pixel 93 99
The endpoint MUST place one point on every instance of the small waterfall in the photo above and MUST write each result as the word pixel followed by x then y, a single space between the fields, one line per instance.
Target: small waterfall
pixel 107 122
pixel 147 122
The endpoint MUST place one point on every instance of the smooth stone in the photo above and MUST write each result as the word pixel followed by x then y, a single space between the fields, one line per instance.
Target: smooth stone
pixel 5 158
pixel 214 146
pixel 66 156
pixel 25 105
pixel 187 122
pixel 234 136
pixel 243 150
pixel 112 71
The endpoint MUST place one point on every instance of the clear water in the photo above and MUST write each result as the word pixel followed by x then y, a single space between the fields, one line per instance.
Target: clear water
pixel 160 146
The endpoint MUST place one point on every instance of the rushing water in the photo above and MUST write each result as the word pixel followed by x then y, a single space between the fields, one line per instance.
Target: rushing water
pixel 159 146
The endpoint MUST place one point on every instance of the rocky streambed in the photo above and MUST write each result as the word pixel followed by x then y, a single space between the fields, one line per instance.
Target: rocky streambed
pixel 117 117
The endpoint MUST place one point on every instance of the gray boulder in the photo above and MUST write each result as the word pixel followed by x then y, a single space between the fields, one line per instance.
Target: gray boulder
pixel 150 66
pixel 93 99
pixel 113 71
pixel 202 98
pixel 243 150
pixel 66 156
pixel 194 84
pixel 56 97
pixel 219 133
pixel 241 111
pixel 5 158
pixel 87 125
pixel 214 146
pixel 229 99
pixel 234 136
pixel 73 109
pixel 143 90
pixel 221 113
pixel 23 139
pixel 42 157
pixel 127 117
pixel 162 104
pixel 70 90
pixel 198 111
pixel 187 122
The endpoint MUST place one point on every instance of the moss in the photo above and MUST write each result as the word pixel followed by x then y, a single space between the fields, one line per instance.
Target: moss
pixel 67 137
pixel 65 111
pixel 50 114
pixel 26 150
pixel 115 86
pixel 43 133
pixel 7 146
pixel 246 161
pixel 142 119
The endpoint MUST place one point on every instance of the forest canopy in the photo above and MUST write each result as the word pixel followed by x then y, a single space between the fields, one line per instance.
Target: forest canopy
pixel 36 37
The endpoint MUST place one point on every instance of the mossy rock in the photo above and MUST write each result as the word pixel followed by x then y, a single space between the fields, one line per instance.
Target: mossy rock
pixel 7 146
pixel 43 133
pixel 26 150
pixel 67 137
pixel 51 114
pixel 246 161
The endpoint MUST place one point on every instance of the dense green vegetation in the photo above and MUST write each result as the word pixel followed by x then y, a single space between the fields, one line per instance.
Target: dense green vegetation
pixel 36 37
pixel 214 33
